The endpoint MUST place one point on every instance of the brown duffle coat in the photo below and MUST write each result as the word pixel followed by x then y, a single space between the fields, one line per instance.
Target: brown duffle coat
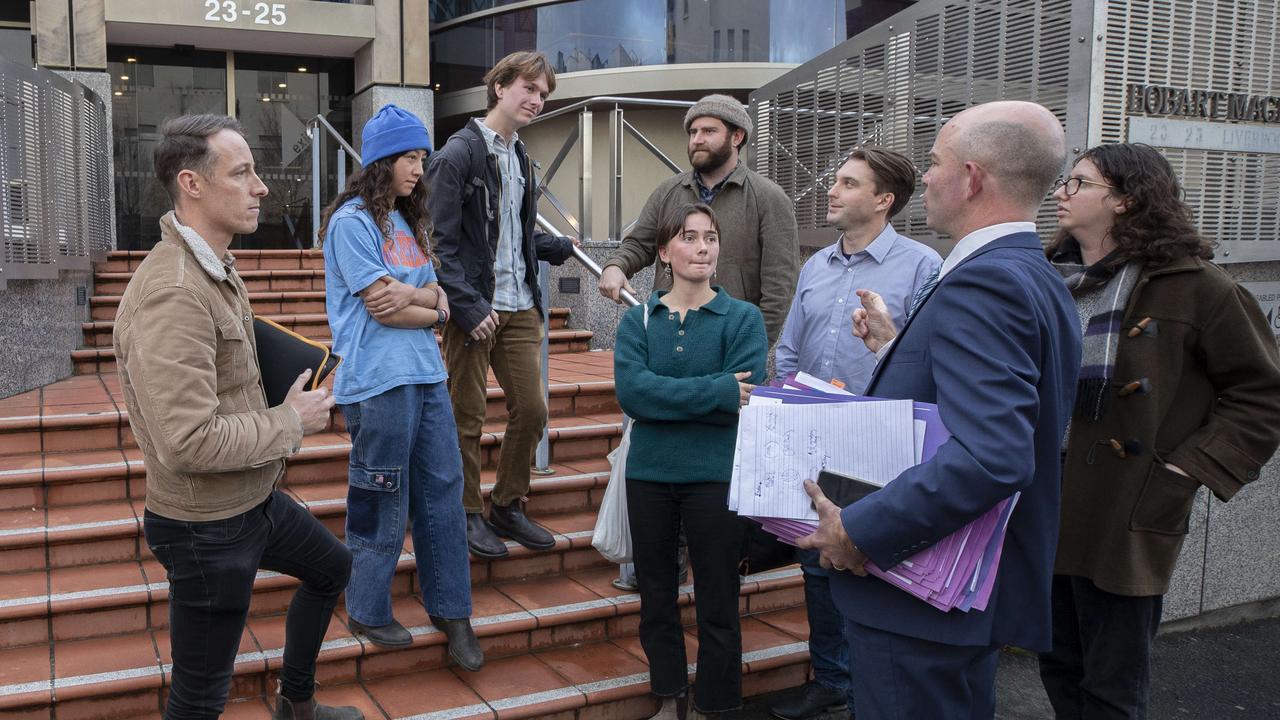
pixel 1209 402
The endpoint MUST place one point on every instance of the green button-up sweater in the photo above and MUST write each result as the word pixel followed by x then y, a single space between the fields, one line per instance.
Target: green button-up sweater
pixel 675 380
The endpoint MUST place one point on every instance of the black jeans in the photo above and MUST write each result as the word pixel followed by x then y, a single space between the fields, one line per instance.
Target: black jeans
pixel 211 567
pixel 656 511
pixel 1100 665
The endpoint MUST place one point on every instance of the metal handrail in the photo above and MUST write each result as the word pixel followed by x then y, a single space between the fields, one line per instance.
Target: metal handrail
pixel 319 120
pixel 612 100
pixel 586 260
pixel 345 147
pixel 581 135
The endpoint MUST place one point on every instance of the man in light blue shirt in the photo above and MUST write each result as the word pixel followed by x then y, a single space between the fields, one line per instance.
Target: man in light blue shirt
pixel 873 185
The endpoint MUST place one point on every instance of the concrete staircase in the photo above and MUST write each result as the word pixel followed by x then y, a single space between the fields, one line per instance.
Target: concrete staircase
pixel 83 604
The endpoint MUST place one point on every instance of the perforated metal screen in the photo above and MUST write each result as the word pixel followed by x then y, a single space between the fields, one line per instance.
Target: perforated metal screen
pixel 897 83
pixel 1231 47
pixel 55 188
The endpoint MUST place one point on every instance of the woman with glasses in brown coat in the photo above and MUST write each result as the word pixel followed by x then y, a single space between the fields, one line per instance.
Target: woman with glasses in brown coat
pixel 1179 388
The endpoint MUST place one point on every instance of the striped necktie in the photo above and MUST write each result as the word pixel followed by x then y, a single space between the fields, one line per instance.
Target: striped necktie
pixel 929 284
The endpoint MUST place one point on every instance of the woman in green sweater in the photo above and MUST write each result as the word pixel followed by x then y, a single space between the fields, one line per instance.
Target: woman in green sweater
pixel 681 376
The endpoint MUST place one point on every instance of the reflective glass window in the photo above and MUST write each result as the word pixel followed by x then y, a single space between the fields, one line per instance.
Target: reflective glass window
pixel 597 34
pixel 275 97
pixel 149 86
pixel 442 10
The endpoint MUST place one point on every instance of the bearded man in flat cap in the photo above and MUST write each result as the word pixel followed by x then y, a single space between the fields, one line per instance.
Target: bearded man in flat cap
pixel 759 254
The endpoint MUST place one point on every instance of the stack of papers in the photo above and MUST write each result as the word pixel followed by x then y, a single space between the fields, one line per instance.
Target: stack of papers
pixel 789 433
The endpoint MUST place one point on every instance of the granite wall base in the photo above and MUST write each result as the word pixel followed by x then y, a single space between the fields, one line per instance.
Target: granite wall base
pixel 39 327
pixel 588 309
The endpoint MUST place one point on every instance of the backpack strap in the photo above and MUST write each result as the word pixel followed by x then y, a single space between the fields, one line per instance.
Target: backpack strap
pixel 475 163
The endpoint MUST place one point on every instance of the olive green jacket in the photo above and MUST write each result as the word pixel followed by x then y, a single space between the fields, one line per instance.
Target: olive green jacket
pixel 759 253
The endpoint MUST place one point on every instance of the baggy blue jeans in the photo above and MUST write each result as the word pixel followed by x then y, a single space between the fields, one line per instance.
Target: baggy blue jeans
pixel 406 470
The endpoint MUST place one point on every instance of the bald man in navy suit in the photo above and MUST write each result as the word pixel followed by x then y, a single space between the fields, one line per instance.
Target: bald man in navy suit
pixel 995 342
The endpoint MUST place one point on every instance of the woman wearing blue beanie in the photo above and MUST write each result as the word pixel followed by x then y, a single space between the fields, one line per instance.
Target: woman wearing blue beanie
pixel 405 469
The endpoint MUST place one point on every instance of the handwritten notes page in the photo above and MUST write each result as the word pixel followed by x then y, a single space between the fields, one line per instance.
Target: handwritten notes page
pixel 781 446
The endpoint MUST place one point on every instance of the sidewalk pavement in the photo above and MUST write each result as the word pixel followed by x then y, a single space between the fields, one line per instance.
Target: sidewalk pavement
pixel 1220 673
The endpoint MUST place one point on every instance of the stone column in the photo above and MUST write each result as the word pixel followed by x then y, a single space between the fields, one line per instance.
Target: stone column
pixel 395 66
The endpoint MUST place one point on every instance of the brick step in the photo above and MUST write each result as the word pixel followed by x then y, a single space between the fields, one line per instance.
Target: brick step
pixel 126 261
pixel 80 413
pixel 93 360
pixel 97 334
pixel 94 476
pixel 35 538
pixel 103 307
pixel 577 633
pixel 113 283
pixel 593 681
pixel 108 598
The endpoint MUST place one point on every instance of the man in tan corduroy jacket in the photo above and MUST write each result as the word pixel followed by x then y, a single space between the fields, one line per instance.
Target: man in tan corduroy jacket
pixel 213 450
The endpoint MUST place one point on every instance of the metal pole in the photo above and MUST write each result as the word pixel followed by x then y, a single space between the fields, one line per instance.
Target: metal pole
pixel 342 170
pixel 316 139
pixel 584 171
pixel 616 135
pixel 542 458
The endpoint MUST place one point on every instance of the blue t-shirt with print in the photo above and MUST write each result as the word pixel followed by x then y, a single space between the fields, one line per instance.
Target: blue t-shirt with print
pixel 375 357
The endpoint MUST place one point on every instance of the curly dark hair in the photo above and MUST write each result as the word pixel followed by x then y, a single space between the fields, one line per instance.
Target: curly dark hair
pixel 1158 226
pixel 372 184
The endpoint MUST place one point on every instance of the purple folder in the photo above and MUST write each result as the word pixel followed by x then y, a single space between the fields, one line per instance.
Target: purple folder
pixel 959 571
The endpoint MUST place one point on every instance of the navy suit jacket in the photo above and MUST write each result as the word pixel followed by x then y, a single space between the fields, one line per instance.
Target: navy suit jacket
pixel 997 347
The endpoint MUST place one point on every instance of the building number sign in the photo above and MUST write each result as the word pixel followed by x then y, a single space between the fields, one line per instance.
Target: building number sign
pixel 229 11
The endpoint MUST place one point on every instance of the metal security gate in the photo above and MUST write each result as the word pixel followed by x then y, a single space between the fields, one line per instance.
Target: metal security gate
pixel 1111 70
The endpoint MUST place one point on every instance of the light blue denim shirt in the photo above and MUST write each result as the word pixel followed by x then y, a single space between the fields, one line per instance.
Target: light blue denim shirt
pixel 511 292
pixel 818 335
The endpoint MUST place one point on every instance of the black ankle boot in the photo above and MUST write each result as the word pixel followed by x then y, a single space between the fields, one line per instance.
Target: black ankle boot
pixel 287 709
pixel 510 521
pixel 390 635
pixel 481 540
pixel 464 647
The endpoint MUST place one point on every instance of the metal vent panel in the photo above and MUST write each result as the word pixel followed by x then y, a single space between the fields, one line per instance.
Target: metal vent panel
pixel 1231 47
pixel 896 85
pixel 55 186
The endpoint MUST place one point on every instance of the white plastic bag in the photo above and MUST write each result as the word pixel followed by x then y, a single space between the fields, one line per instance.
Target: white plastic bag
pixel 612 536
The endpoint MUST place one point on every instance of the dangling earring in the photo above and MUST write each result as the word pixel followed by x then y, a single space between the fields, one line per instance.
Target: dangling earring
pixel 666 269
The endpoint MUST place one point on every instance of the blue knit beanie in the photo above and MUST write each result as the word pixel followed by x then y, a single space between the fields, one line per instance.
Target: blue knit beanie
pixel 391 132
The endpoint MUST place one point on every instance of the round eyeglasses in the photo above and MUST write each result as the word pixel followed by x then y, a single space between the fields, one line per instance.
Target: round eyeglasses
pixel 1072 185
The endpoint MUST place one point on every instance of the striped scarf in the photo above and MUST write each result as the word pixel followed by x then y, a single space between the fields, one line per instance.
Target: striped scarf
pixel 1103 328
